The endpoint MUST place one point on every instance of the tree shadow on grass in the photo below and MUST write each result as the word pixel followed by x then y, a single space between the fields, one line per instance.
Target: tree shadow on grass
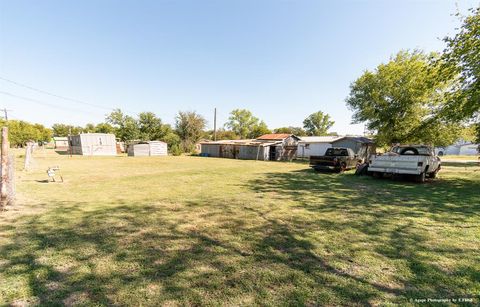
pixel 218 252
pixel 389 220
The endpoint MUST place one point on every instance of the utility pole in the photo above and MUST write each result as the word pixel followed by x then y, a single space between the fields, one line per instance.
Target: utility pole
pixel 4 162
pixel 215 124
pixel 5 112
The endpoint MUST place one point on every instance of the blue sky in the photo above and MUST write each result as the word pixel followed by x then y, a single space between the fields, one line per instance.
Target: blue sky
pixel 280 59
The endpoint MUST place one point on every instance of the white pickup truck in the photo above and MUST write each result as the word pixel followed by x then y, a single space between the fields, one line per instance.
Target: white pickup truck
pixel 417 160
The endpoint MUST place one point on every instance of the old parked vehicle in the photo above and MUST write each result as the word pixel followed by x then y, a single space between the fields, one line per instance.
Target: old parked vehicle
pixel 336 159
pixel 417 160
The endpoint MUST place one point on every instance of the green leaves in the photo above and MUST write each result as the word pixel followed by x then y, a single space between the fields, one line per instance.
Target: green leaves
pixel 462 58
pixel 318 123
pixel 189 127
pixel 399 100
pixel 245 125
pixel 20 132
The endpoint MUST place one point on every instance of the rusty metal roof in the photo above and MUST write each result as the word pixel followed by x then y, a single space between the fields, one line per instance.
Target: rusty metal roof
pixel 274 136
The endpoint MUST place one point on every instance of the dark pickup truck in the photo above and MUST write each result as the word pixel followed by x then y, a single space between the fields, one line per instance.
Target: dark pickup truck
pixel 337 159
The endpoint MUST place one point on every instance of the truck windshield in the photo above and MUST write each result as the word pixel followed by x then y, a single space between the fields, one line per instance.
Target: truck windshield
pixel 336 152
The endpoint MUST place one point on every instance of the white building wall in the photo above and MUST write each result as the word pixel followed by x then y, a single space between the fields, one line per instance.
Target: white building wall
pixel 313 149
pixel 98 144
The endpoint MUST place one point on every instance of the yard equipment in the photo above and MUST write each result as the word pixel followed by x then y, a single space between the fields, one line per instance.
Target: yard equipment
pixel 52 175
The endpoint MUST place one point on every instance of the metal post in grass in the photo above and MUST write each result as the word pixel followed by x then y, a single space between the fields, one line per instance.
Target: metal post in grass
pixel 4 170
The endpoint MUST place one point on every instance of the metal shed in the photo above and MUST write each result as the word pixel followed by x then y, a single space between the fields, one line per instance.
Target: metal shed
pixel 93 144
pixel 150 148
pixel 362 146
pixel 60 142
pixel 236 149
pixel 273 147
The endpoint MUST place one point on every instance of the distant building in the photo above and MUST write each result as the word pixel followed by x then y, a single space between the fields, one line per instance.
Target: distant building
pixel 149 148
pixel 268 147
pixel 315 145
pixel 93 144
pixel 461 148
pixel 60 143
pixel 318 145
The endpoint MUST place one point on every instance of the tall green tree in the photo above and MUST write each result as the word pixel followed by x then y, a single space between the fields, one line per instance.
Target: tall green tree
pixel 89 128
pixel 241 122
pixel 259 129
pixel 20 132
pixel 461 59
pixel 126 127
pixel 64 129
pixel 244 124
pixel 189 126
pixel 104 128
pixel 398 100
pixel 317 123
pixel 298 131
pixel 150 126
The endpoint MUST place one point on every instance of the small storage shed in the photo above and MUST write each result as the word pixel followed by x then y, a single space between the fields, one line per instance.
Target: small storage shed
pixel 150 148
pixel 93 144
pixel 60 142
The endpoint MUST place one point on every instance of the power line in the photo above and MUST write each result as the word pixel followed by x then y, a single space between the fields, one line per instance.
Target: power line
pixel 46 103
pixel 57 96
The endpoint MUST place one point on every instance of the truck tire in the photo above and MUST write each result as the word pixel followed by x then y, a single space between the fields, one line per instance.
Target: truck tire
pixel 342 167
pixel 362 169
pixel 420 178
pixel 434 174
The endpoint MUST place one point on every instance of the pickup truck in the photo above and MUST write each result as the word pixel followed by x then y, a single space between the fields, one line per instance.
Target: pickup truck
pixel 337 159
pixel 417 160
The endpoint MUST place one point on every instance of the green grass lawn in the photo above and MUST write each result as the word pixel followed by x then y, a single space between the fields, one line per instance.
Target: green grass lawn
pixel 194 231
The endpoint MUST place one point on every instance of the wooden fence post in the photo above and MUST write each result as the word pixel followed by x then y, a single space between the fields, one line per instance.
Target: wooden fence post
pixel 28 156
pixel 4 177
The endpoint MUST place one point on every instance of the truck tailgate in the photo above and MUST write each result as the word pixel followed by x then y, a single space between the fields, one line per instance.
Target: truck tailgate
pixel 396 164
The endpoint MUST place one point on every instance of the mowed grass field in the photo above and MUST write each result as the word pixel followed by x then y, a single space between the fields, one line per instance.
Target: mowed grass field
pixel 204 231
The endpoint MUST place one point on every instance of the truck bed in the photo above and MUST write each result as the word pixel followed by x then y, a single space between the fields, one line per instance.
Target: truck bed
pixel 397 164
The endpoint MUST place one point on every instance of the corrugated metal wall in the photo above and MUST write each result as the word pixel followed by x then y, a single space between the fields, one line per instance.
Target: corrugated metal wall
pixel 253 153
pixel 212 150
pixel 149 149
pixel 231 151
pixel 158 149
pixel 93 144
